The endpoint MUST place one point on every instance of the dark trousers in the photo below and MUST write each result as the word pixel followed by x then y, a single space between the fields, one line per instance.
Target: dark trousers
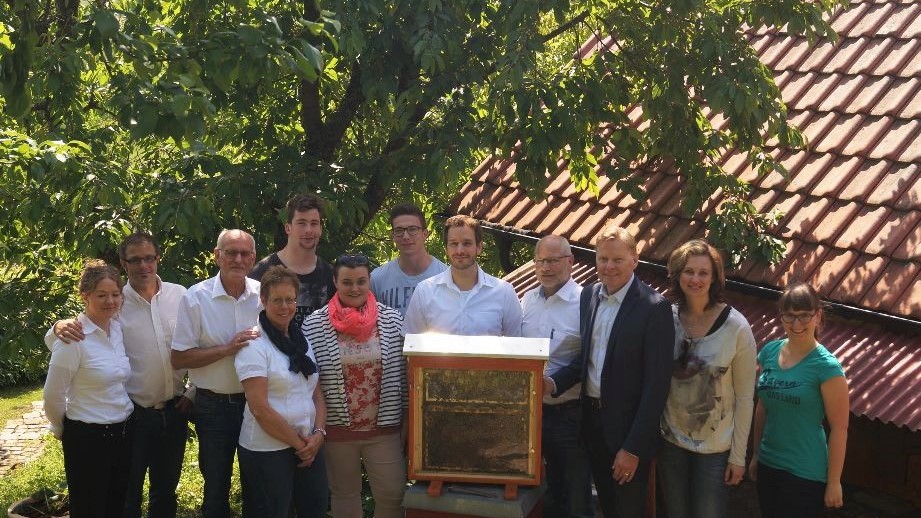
pixel 782 494
pixel 217 422
pixel 276 483
pixel 96 463
pixel 158 446
pixel 617 501
pixel 569 474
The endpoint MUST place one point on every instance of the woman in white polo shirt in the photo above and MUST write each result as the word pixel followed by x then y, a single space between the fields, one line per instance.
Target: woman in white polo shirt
pixel 86 400
pixel 283 421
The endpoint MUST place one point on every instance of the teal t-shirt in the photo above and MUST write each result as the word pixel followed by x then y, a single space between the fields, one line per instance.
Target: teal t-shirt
pixel 793 438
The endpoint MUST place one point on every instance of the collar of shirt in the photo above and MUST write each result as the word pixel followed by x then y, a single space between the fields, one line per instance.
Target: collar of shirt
pixel 90 327
pixel 129 292
pixel 617 296
pixel 250 289
pixel 569 292
pixel 481 280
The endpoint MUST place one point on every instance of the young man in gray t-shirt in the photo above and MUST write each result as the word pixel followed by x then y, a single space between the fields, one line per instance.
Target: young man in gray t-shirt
pixel 394 281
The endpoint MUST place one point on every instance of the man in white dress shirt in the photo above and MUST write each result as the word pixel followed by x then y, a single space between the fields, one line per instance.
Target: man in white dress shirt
pixel 464 300
pixel 552 311
pixel 147 318
pixel 216 319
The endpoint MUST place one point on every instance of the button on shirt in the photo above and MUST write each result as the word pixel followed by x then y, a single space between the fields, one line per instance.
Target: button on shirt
pixel 555 317
pixel 289 393
pixel 608 305
pixel 87 379
pixel 490 308
pixel 208 316
pixel 148 328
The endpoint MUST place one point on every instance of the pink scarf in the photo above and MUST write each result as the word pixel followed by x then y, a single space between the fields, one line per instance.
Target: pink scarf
pixel 359 323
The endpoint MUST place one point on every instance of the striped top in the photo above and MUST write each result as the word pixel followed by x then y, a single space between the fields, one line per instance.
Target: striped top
pixel 394 387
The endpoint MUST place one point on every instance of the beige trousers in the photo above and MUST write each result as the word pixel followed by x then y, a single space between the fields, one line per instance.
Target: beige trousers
pixel 386 466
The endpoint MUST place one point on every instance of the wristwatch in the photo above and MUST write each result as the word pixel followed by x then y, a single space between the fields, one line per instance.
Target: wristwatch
pixel 321 431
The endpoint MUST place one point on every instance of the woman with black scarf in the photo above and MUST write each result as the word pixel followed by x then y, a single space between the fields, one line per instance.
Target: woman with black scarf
pixel 285 415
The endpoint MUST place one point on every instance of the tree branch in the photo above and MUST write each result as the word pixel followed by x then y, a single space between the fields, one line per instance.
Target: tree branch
pixel 579 18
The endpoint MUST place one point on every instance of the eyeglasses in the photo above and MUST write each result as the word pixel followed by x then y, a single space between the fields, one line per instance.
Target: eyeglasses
pixel 233 254
pixel 803 318
pixel 411 231
pixel 282 302
pixel 351 260
pixel 550 261
pixel 147 259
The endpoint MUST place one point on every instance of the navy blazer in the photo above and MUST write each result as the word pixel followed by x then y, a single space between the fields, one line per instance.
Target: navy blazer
pixel 637 367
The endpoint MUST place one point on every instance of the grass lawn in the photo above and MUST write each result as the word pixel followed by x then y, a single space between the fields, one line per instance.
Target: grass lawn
pixel 15 401
pixel 48 472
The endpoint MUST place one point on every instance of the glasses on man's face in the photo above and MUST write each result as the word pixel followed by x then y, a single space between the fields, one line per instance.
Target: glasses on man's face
pixel 352 260
pixel 410 231
pixel 234 254
pixel 550 261
pixel 146 259
pixel 281 302
pixel 803 318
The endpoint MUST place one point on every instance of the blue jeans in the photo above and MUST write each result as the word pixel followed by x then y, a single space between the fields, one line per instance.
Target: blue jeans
pixel 692 483
pixel 782 494
pixel 158 445
pixel 569 474
pixel 276 482
pixel 217 423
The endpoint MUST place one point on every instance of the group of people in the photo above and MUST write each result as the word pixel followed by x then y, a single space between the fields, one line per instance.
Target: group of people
pixel 295 366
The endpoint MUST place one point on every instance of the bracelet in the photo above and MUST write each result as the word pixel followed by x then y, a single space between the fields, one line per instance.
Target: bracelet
pixel 321 431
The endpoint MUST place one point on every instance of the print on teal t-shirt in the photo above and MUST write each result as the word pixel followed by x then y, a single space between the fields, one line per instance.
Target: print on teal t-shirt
pixel 794 438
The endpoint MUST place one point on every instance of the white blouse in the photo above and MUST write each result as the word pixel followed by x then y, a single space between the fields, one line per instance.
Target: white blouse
pixel 289 393
pixel 87 380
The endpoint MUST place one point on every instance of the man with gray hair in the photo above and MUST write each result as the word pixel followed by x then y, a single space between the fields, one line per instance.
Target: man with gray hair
pixel 551 310
pixel 216 319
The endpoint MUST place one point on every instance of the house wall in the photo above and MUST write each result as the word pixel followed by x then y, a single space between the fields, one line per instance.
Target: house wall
pixel 884 457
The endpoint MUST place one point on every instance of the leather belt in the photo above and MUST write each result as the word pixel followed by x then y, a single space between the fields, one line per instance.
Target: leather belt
pixel 238 397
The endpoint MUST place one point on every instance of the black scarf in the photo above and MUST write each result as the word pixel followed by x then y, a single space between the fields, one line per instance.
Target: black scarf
pixel 294 346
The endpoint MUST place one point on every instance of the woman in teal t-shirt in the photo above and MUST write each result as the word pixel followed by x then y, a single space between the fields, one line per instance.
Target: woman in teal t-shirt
pixel 797 468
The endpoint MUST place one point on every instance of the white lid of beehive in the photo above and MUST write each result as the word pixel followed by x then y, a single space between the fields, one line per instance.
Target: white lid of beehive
pixel 437 344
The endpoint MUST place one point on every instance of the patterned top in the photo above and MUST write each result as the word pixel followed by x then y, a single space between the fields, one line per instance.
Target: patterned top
pixel 361 365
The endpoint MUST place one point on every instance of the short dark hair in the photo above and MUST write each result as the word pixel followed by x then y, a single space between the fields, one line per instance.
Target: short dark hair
pixel 679 259
pixel 462 220
pixel 303 203
pixel 407 209
pixel 276 275
pixel 137 238
pixel 351 261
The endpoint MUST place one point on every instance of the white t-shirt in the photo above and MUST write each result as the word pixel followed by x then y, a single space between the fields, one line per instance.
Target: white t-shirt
pixel 289 393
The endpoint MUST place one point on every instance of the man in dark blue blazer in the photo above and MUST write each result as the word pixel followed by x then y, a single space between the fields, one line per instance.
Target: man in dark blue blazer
pixel 625 365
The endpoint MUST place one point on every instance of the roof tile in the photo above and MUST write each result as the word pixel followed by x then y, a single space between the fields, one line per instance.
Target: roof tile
pixel 861 229
pixel 902 98
pixel 892 231
pixel 859 279
pixel 900 142
pixel 896 181
pixel 848 20
pixel 838 216
pixel 893 282
pixel 910 247
pixel 830 273
pixel 864 180
pixel 841 171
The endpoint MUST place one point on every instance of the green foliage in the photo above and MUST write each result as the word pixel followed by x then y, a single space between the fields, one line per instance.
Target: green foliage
pixel 183 117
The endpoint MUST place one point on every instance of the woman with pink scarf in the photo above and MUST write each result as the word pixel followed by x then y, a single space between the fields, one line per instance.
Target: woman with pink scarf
pixel 359 350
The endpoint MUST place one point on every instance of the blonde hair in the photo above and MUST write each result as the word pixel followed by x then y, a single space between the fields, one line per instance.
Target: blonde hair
pixel 613 232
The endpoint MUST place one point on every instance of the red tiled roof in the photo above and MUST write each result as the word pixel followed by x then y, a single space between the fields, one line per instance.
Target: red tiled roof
pixel 852 199
pixel 851 202
pixel 881 366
